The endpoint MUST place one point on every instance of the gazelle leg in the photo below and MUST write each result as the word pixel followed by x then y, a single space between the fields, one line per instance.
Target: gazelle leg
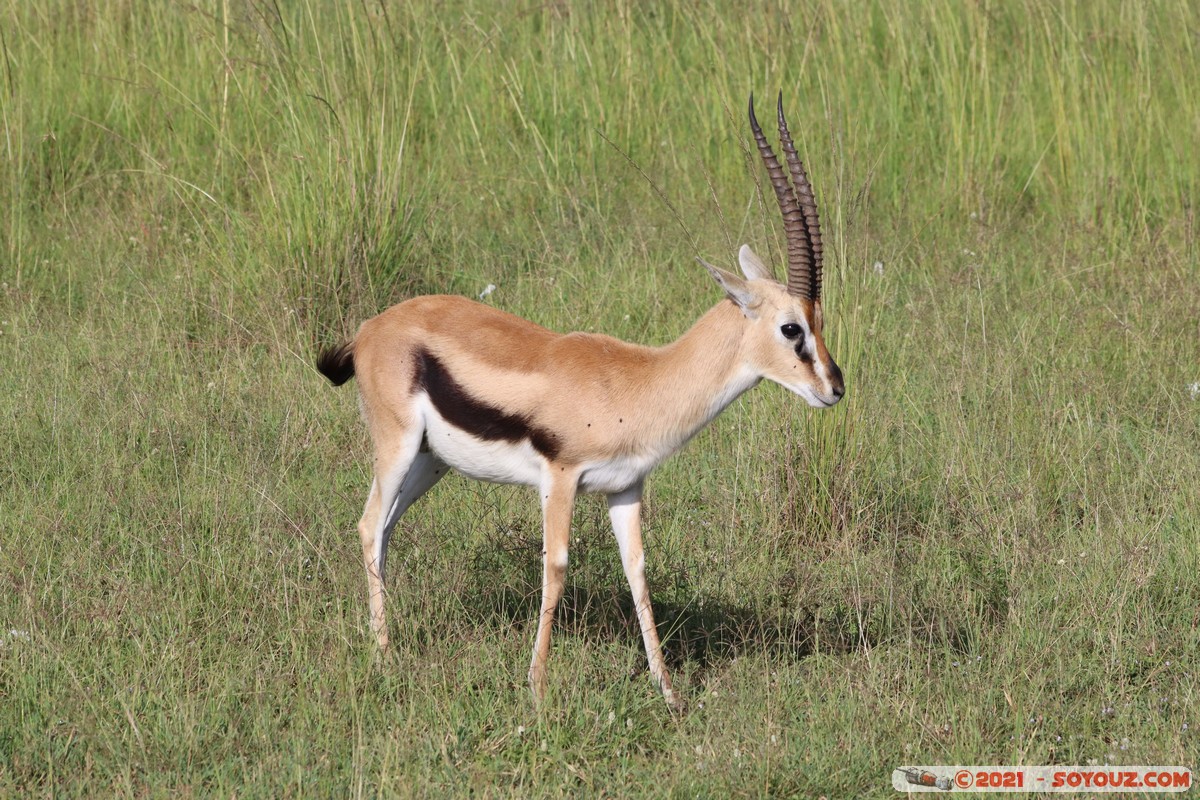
pixel 625 511
pixel 400 480
pixel 558 501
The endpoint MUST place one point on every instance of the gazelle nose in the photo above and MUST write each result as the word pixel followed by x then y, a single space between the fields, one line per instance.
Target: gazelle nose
pixel 838 383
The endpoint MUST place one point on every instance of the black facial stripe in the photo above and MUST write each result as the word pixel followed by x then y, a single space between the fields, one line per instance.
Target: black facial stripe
pixel 802 354
pixel 474 416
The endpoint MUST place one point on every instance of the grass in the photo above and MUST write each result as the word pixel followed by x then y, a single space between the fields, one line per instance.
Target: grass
pixel 986 555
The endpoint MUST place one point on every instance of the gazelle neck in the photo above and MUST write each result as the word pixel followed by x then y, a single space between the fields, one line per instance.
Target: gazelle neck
pixel 702 372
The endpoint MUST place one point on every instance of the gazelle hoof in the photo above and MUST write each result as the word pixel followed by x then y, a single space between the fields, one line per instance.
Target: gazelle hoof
pixel 674 701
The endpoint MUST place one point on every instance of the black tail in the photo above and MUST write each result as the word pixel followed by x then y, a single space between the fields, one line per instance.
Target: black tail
pixel 337 363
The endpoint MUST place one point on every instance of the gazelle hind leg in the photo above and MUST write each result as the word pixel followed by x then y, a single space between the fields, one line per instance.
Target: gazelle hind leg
pixel 625 512
pixel 426 470
pixel 399 482
pixel 558 501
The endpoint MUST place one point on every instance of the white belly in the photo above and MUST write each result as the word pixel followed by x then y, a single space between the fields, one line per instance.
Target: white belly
pixel 496 461
pixel 618 473
pixel 500 461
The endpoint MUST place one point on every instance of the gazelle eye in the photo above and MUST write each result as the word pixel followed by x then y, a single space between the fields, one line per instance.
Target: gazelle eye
pixel 790 330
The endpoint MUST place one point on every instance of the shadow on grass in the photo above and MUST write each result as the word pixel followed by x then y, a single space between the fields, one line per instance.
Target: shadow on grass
pixel 941 599
pixel 704 633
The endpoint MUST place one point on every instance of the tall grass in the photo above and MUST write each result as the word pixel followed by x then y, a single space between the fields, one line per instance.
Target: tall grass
pixel 987 553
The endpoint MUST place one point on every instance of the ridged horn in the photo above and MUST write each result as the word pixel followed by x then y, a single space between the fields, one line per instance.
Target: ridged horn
pixel 808 207
pixel 804 276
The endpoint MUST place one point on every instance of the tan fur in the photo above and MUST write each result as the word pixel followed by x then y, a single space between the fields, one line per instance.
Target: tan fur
pixel 614 410
pixel 602 395
pixel 447 382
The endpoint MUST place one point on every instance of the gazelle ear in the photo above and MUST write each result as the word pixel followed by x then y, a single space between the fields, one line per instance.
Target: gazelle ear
pixel 735 288
pixel 752 266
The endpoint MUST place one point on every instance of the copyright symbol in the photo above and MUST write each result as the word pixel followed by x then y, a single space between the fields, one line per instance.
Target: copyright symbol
pixel 962 779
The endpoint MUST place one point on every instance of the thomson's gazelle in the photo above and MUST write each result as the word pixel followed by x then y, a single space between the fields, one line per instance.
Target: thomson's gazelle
pixel 448 383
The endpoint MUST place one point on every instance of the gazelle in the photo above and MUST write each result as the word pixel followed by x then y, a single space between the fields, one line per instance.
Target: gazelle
pixel 446 382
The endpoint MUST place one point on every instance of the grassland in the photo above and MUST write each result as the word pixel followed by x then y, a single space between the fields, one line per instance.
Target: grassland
pixel 988 554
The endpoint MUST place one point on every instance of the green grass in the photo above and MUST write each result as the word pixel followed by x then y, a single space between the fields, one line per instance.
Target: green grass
pixel 988 554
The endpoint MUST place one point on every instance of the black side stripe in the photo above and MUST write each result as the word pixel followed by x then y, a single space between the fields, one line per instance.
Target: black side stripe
pixel 474 416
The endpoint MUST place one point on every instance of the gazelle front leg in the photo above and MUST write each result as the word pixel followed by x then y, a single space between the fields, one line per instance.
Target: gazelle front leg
pixel 625 511
pixel 558 501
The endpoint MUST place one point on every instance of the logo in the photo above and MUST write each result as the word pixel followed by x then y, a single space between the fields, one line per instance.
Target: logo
pixel 1042 779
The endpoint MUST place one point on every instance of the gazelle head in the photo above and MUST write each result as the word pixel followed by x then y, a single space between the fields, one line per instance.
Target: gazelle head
pixel 783 341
